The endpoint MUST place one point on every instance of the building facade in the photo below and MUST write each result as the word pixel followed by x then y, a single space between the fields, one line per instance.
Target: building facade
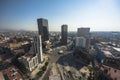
pixel 85 33
pixel 40 55
pixel 29 61
pixel 11 73
pixel 80 42
pixel 43 28
pixel 64 30
pixel 38 47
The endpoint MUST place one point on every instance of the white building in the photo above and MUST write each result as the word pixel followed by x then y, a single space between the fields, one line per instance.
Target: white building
pixel 80 42
pixel 30 61
pixel 40 56
pixel 34 56
pixel 38 47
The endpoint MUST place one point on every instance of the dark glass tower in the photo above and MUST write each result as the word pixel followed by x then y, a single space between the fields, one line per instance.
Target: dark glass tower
pixel 43 28
pixel 83 32
pixel 64 34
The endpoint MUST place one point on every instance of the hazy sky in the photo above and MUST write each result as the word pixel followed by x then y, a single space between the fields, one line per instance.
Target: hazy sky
pixel 99 15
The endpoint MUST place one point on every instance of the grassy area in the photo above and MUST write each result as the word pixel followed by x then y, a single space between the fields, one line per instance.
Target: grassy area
pixel 42 69
pixel 40 73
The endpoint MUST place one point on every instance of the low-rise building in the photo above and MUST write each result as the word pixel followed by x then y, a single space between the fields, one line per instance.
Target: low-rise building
pixel 1 76
pixel 19 51
pixel 11 73
pixel 111 72
pixel 105 51
pixel 14 45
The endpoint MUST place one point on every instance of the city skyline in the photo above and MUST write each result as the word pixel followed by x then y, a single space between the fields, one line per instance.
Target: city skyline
pixel 99 15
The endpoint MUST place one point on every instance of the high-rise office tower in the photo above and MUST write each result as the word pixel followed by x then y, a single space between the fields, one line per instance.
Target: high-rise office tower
pixel 43 29
pixel 84 32
pixel 64 34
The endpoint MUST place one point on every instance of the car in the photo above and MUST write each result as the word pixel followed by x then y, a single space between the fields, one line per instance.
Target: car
pixel 60 52
pixel 65 73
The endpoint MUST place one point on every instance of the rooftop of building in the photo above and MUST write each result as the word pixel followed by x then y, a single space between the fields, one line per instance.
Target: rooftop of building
pixel 27 57
pixel 111 72
pixel 109 50
pixel 112 62
pixel 12 73
pixel 1 76
pixel 117 49
pixel 107 53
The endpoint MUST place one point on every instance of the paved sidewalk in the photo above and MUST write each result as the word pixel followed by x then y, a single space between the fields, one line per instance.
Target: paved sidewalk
pixel 34 72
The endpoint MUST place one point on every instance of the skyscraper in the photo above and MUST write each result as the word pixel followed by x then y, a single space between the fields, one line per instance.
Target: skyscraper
pixel 43 29
pixel 38 47
pixel 84 32
pixel 40 55
pixel 64 34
